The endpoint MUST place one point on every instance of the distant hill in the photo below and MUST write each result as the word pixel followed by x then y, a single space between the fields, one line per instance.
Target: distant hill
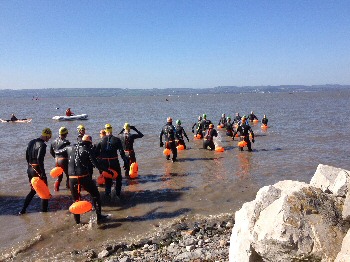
pixel 105 92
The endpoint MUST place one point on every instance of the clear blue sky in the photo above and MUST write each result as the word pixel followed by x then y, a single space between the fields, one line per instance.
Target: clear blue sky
pixel 173 43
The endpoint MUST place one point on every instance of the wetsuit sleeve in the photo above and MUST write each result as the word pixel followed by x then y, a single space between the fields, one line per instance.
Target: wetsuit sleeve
pixel 139 134
pixel 121 132
pixel 185 134
pixel 52 151
pixel 161 135
pixel 41 157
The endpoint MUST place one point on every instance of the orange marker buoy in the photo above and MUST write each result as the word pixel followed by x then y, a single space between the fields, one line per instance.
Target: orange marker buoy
pixel 56 171
pixel 180 147
pixel 167 151
pixel 40 188
pixel 134 169
pixel 219 149
pixel 237 135
pixel 80 207
pixel 255 121
pixel 107 175
pixel 101 180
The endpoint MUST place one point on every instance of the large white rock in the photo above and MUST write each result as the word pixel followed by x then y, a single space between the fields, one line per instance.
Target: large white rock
pixel 344 254
pixel 331 179
pixel 288 221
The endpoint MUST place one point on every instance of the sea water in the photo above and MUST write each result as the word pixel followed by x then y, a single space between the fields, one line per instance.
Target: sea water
pixel 306 128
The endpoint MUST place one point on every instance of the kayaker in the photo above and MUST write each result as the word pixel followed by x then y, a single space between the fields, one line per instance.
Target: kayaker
pixel 69 112
pixel 13 117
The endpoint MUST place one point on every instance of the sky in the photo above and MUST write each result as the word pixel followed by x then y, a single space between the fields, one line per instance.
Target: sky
pixel 173 43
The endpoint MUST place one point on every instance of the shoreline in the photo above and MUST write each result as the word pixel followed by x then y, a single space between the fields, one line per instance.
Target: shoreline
pixel 184 239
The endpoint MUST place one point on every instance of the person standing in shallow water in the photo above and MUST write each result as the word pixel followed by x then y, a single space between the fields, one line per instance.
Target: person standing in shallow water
pixel 80 157
pixel 107 153
pixel 128 140
pixel 35 155
pixel 244 129
pixel 208 140
pixel 180 134
pixel 169 133
pixel 264 121
pixel 61 161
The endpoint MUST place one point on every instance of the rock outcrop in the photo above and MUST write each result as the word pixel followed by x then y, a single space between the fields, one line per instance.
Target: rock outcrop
pixel 295 221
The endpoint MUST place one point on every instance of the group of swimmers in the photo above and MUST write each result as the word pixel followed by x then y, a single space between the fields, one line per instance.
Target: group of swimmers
pixel 78 159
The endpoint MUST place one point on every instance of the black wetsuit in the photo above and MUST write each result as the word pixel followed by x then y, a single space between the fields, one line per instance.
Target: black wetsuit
pixel 61 160
pixel 229 128
pixel 244 130
pixel 237 119
pixel 205 124
pixel 252 117
pixel 199 128
pixel 169 132
pixel 107 153
pixel 180 133
pixel 14 118
pixel 209 139
pixel 128 140
pixel 222 121
pixel 80 157
pixel 35 155
pixel 264 121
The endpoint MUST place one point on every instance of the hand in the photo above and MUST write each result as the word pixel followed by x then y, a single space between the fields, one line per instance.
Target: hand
pixel 192 131
pixel 132 127
pixel 188 140
pixel 253 140
pixel 161 144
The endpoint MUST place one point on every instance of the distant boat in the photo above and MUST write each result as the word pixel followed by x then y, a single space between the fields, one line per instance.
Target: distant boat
pixel 24 120
pixel 71 118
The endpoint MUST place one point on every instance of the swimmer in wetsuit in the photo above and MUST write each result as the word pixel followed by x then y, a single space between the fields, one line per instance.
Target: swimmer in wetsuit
pixel 128 140
pixel 169 133
pixel 209 137
pixel 244 129
pixel 199 127
pixel 180 134
pixel 80 157
pixel 222 121
pixel 35 155
pixel 252 117
pixel 229 127
pixel 61 161
pixel 107 153
pixel 264 120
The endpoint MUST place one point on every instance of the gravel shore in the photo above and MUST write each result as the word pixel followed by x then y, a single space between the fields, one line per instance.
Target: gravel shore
pixel 204 239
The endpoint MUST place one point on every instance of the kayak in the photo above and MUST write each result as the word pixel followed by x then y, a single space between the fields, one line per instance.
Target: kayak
pixel 70 118
pixel 24 120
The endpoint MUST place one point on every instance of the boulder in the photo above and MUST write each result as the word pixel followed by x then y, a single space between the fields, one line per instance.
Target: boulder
pixel 289 221
pixel 331 180
pixel 344 254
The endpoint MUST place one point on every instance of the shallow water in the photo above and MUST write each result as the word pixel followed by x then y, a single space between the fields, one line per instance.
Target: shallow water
pixel 306 128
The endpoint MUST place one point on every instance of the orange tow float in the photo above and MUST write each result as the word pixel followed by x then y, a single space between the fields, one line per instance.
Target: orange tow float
pixel 134 169
pixel 40 188
pixel 107 175
pixel 101 180
pixel 180 147
pixel 80 207
pixel 167 151
pixel 219 149
pixel 56 171
pixel 242 144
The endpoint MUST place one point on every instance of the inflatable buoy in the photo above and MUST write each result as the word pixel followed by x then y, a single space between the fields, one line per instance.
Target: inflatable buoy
pixel 80 207
pixel 167 151
pixel 198 136
pixel 101 180
pixel 134 169
pixel 180 147
pixel 255 121
pixel 242 144
pixel 107 175
pixel 56 171
pixel 40 188
pixel 237 135
pixel 219 149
